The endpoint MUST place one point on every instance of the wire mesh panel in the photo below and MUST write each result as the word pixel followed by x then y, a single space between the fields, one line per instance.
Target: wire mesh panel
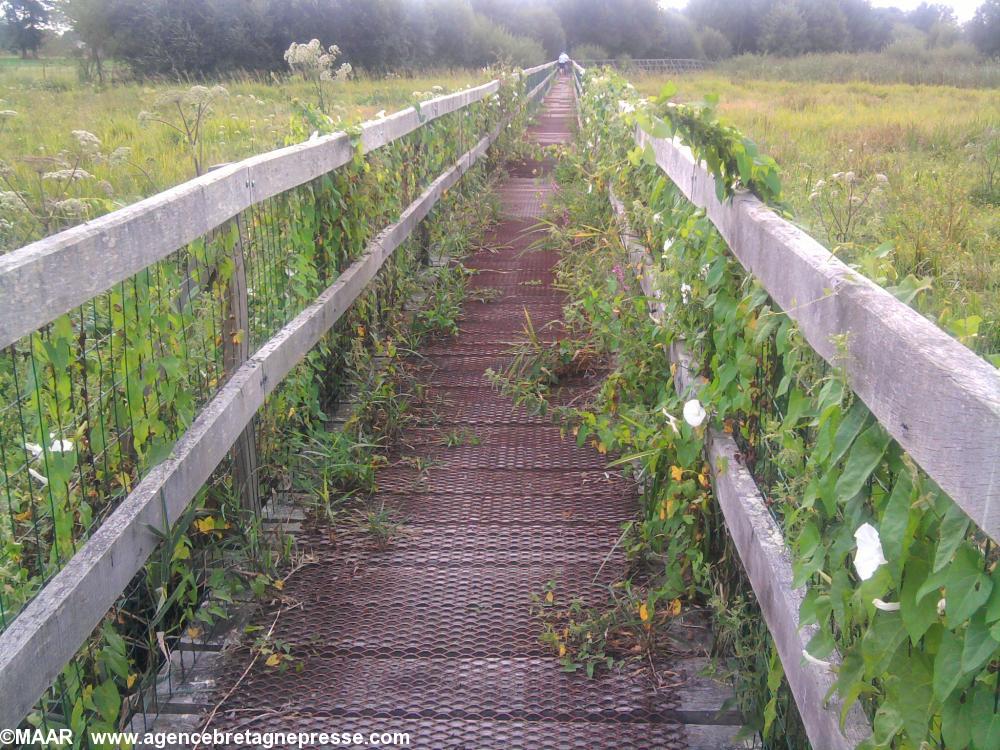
pixel 92 401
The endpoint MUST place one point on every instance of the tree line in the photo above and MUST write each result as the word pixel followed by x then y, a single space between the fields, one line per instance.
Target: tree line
pixel 205 37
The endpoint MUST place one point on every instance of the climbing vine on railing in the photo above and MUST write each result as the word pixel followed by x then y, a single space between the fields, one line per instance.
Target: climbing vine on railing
pixel 898 580
pixel 733 159
pixel 92 401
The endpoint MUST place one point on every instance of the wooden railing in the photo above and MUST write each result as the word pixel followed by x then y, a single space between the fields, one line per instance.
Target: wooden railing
pixel 44 280
pixel 669 65
pixel 937 398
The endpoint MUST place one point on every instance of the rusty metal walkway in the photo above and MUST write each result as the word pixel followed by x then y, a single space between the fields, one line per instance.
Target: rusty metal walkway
pixel 434 635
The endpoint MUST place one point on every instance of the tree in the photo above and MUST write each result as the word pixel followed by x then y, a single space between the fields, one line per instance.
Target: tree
pixel 679 38
pixel 984 28
pixel 25 21
pixel 714 44
pixel 784 31
pixel 867 28
pixel 740 22
pixel 92 22
pixel 826 26
pixel 926 15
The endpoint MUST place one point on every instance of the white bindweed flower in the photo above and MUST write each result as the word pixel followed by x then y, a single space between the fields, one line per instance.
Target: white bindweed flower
pixel 886 606
pixel 685 293
pixel 657 218
pixel 671 420
pixel 942 603
pixel 61 446
pixel 34 449
pixel 813 660
pixel 41 479
pixel 869 555
pixel 666 245
pixel 694 413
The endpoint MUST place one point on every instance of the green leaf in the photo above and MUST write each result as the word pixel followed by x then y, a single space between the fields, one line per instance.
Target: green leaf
pixel 106 701
pixel 993 605
pixel 953 527
pixel 864 458
pixel 918 613
pixel 881 641
pixel 967 586
pixel 909 690
pixel 849 429
pixel 979 644
pixel 956 722
pixel 948 665
pixel 887 725
pixel 896 518
pixel 985 721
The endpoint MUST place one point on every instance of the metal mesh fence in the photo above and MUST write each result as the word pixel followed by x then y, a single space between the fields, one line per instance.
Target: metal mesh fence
pixel 95 399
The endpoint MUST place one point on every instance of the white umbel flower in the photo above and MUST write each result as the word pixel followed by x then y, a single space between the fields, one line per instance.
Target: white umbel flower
pixel 694 413
pixel 869 555
pixel 886 606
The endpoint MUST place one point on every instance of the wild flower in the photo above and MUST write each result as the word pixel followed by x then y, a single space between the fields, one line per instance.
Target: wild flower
pixel 886 606
pixel 71 207
pixel 12 202
pixel 120 155
pixel 694 412
pixel 869 555
pixel 185 112
pixel 813 660
pixel 68 175
pixel 87 141
pixel 685 293
pixel 316 64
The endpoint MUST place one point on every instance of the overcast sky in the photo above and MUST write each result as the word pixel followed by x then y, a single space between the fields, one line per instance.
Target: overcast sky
pixel 963 8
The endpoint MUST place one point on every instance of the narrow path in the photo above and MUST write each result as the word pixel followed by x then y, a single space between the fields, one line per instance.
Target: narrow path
pixel 434 635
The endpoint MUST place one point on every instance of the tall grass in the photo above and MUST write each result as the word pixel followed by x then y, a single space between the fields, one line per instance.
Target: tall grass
pixel 902 63
pixel 931 142
pixel 258 114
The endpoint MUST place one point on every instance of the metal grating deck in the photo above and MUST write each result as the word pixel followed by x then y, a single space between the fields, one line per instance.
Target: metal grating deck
pixel 433 635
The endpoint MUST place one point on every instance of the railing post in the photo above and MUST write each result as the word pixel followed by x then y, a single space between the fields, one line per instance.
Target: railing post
pixel 235 352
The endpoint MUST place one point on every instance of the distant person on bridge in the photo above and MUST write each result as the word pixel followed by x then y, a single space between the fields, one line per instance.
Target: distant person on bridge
pixel 563 64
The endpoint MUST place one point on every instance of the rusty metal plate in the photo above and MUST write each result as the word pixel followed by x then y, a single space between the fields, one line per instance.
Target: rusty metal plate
pixel 432 631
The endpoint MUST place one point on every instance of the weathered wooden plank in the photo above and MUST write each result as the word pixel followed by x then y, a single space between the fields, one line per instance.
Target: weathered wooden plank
pixel 938 399
pixel 48 632
pixel 537 68
pixel 765 557
pixel 41 281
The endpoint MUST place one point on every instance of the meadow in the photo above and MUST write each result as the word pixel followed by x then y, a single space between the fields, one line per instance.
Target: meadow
pixel 150 136
pixel 900 180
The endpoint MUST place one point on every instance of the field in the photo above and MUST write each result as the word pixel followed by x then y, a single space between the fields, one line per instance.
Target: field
pixel 64 178
pixel 935 216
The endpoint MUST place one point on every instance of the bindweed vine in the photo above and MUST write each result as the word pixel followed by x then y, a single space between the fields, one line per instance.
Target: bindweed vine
pixel 97 398
pixel 898 580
